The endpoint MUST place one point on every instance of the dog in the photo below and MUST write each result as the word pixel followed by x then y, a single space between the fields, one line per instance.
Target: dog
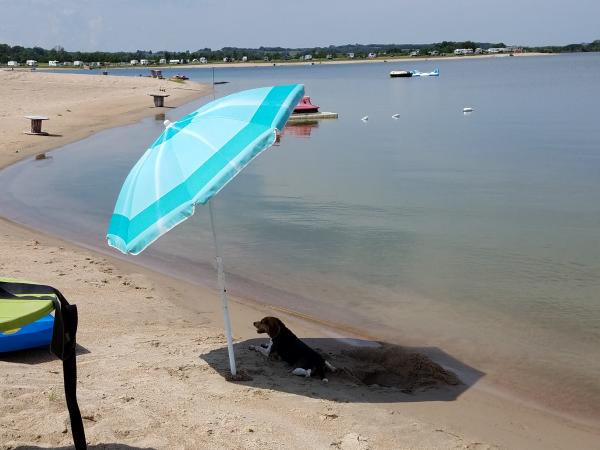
pixel 291 349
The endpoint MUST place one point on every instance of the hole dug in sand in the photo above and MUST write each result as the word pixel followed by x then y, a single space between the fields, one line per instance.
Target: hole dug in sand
pixel 367 371
pixel 392 366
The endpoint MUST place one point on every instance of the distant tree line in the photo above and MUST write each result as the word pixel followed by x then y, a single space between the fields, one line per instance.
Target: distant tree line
pixel 571 48
pixel 58 53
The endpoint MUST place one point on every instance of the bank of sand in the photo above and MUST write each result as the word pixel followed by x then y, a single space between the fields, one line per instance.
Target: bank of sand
pixel 399 59
pixel 152 373
pixel 76 105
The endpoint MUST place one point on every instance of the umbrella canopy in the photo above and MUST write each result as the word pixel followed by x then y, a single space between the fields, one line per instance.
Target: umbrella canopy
pixel 193 159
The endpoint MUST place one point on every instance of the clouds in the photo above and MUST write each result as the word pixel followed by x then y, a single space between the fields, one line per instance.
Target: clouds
pixel 192 24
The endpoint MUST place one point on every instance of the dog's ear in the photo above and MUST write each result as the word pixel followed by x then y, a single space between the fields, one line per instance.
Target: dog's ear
pixel 280 323
pixel 274 326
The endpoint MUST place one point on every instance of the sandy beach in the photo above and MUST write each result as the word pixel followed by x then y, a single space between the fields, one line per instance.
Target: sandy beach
pixel 76 105
pixel 390 60
pixel 153 373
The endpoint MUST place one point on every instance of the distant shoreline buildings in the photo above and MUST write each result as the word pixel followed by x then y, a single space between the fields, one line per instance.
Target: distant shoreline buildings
pixel 492 50
pixel 57 57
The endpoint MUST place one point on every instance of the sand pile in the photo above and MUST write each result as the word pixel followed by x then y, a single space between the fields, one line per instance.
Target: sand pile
pixel 393 366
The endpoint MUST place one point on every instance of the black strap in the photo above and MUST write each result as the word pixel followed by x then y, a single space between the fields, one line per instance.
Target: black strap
pixel 63 345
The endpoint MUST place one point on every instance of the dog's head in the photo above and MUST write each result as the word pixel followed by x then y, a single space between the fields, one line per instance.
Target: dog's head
pixel 270 325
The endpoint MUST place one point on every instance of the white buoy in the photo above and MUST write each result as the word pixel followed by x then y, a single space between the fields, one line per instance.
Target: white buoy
pixel 364 119
pixel 467 109
pixel 166 123
pixel 396 116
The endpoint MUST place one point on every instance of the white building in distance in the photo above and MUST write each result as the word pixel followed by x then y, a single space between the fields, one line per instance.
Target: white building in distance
pixel 463 51
pixel 503 50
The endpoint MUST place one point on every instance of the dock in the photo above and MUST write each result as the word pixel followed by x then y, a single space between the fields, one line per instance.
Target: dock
pixel 307 117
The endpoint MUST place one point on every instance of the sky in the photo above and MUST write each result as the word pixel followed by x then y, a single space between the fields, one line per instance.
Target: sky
pixel 111 25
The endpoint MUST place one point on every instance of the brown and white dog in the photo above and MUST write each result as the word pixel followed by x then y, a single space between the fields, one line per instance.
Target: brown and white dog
pixel 291 349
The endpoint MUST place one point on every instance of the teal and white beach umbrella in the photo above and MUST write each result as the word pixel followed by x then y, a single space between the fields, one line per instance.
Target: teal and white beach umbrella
pixel 191 161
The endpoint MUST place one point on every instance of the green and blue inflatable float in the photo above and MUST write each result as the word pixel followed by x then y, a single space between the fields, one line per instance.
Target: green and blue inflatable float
pixel 33 315
pixel 25 323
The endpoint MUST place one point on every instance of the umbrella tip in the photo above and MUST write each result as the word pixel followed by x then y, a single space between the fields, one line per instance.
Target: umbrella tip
pixel 166 123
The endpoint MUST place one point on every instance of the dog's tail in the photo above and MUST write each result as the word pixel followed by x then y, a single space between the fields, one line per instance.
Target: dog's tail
pixel 330 366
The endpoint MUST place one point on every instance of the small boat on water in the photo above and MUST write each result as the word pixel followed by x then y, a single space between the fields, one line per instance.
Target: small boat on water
pixel 413 73
pixel 435 73
pixel 305 106
pixel 400 74
pixel 306 112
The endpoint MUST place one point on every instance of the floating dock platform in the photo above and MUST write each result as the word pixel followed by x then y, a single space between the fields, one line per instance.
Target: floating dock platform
pixel 309 117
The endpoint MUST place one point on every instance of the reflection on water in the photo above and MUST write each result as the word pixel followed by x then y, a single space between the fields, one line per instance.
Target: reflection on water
pixel 42 157
pixel 479 234
pixel 300 129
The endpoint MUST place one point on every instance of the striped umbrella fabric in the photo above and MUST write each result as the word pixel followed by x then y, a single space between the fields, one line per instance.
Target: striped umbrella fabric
pixel 193 159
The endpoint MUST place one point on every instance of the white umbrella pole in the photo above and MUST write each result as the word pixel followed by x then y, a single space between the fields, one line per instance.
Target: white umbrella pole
pixel 221 284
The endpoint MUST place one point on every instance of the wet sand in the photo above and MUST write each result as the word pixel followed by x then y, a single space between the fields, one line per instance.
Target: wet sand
pixel 153 371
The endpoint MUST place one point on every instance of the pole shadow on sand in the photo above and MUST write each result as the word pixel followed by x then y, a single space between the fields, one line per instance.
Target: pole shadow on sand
pixel 367 372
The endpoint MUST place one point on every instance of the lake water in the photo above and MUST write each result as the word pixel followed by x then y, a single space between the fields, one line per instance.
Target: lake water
pixel 477 234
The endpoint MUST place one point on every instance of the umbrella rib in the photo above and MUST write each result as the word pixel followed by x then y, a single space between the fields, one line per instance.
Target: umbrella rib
pixel 199 137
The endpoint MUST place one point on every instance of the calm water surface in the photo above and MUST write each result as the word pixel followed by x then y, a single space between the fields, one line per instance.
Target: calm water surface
pixel 478 234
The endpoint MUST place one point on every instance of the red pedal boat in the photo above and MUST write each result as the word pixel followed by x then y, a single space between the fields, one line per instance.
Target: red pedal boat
pixel 305 106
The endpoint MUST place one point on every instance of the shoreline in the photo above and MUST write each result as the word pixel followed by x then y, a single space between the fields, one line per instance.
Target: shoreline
pixel 277 63
pixel 172 291
pixel 342 61
pixel 466 418
pixel 73 119
pixel 311 315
